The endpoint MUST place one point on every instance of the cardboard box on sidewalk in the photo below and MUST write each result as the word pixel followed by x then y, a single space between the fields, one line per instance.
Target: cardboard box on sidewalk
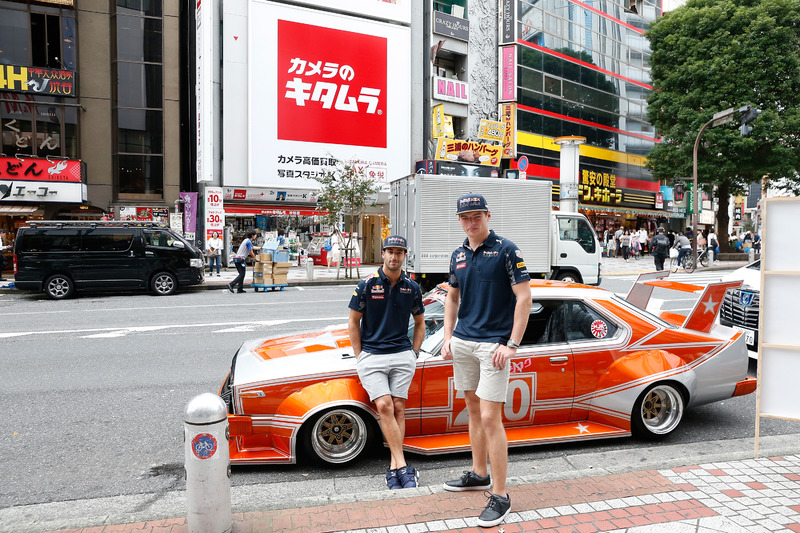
pixel 280 280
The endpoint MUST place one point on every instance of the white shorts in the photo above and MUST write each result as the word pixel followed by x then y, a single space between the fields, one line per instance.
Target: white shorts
pixel 473 369
pixel 386 373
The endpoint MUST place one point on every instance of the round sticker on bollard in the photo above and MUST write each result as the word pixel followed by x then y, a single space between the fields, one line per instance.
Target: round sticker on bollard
pixel 204 445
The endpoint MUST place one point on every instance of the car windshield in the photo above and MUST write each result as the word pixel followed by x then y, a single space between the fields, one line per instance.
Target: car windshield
pixel 434 324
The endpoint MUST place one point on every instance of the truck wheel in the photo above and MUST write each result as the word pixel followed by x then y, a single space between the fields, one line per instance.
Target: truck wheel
pixel 164 284
pixel 337 436
pixel 569 277
pixel 59 287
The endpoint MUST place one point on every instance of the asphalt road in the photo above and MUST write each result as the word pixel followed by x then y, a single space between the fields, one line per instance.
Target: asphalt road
pixel 93 390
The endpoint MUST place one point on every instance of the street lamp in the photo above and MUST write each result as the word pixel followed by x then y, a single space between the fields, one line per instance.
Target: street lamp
pixel 747 115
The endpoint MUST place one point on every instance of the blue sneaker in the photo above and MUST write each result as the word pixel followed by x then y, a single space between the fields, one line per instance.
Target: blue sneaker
pixel 392 480
pixel 408 477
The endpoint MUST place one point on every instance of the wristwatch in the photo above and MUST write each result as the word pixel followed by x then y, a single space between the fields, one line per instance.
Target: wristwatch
pixel 512 344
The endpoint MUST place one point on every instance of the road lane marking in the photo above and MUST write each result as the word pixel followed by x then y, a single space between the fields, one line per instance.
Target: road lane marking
pixel 122 331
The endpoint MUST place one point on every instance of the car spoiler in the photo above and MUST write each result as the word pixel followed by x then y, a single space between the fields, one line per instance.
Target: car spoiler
pixel 704 312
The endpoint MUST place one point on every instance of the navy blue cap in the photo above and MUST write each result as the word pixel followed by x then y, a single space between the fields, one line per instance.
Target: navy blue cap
pixel 395 241
pixel 470 202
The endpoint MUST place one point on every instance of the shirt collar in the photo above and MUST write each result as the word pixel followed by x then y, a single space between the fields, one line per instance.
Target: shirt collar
pixel 490 241
pixel 384 278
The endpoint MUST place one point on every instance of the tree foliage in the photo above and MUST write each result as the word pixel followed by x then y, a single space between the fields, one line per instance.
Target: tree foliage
pixel 708 56
pixel 345 192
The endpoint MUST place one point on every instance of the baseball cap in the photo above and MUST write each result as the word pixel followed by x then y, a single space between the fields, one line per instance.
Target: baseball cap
pixel 395 241
pixel 470 202
pixel 661 230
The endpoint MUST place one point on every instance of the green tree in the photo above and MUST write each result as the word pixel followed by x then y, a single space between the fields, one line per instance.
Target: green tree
pixel 346 191
pixel 708 56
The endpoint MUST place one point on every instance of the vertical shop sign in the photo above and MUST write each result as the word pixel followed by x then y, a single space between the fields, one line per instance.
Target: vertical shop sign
pixel 508 75
pixel 508 114
pixel 189 214
pixel 215 212
pixel 204 86
pixel 508 25
pixel 438 121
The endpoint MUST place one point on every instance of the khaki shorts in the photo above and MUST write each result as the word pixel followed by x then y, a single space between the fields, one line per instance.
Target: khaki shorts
pixel 473 370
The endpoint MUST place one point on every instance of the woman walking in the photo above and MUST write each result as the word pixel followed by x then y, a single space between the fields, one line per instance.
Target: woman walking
pixel 625 244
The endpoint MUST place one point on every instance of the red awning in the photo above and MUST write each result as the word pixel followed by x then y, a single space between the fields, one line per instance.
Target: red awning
pixel 291 210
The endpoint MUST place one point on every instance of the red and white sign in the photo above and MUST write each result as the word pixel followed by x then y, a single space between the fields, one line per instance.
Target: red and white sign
pixel 508 73
pixel 324 87
pixel 329 77
pixel 35 169
pixel 215 212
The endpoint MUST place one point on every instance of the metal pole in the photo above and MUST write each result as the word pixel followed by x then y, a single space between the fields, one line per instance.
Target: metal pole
pixel 695 218
pixel 207 463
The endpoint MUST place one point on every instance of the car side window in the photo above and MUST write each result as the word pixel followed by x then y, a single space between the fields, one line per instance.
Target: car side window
pixel 50 240
pixel 102 240
pixel 545 323
pixel 584 323
pixel 158 238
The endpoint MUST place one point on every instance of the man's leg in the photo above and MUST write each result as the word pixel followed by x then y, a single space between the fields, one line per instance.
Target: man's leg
pixel 491 417
pixel 391 430
pixel 477 435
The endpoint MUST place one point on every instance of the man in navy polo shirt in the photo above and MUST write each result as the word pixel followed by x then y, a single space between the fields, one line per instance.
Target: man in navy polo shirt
pixel 490 294
pixel 380 310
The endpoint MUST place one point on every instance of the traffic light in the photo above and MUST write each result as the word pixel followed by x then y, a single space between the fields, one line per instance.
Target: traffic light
pixel 748 115
pixel 679 192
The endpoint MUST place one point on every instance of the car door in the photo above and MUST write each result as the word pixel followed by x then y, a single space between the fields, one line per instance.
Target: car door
pixel 540 387
pixel 109 260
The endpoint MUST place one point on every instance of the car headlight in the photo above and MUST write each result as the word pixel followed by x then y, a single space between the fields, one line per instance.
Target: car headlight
pixel 196 263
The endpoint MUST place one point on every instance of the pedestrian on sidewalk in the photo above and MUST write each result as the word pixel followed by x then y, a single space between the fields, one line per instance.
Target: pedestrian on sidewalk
pixel 3 246
pixel 240 261
pixel 625 243
pixel 378 327
pixel 617 237
pixel 659 247
pixel 214 246
pixel 490 294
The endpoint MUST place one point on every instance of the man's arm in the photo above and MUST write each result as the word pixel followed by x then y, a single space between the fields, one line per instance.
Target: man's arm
pixel 522 310
pixel 419 331
pixel 451 303
pixel 354 330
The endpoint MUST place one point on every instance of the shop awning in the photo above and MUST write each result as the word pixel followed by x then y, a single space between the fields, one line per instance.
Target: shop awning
pixel 290 210
pixel 18 209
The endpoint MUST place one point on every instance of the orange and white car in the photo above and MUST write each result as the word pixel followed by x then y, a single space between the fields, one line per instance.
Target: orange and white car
pixel 591 365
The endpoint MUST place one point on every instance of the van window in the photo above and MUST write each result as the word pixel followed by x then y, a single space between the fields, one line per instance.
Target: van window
pixel 107 241
pixel 578 230
pixel 158 238
pixel 50 240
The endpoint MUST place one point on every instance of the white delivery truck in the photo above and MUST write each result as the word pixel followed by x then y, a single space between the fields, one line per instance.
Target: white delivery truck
pixel 555 245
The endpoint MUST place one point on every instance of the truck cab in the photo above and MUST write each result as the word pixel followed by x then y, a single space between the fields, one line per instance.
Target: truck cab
pixel 575 249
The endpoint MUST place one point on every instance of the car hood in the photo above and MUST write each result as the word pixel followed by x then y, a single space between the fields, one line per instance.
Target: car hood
pixel 750 277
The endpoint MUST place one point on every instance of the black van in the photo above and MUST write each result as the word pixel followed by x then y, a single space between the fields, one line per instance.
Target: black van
pixel 61 257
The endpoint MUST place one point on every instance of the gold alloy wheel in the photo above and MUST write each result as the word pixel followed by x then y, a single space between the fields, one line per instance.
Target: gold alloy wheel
pixel 339 436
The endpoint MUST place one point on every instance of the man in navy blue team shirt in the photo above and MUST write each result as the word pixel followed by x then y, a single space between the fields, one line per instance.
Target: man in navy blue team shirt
pixel 490 294
pixel 378 326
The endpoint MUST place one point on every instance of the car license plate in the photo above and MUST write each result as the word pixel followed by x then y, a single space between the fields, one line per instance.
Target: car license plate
pixel 749 336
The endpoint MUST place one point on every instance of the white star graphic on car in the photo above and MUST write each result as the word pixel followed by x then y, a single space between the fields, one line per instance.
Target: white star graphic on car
pixel 711 305
pixel 583 429
pixel 326 339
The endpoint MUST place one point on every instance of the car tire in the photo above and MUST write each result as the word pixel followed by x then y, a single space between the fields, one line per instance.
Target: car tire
pixel 337 436
pixel 164 284
pixel 59 287
pixel 569 277
pixel 657 412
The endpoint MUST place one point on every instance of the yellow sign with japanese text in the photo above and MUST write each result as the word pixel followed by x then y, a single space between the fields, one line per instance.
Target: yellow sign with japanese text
pixel 491 130
pixel 438 121
pixel 454 150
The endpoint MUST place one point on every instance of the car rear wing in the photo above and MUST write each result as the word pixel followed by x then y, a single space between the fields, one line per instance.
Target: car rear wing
pixel 704 312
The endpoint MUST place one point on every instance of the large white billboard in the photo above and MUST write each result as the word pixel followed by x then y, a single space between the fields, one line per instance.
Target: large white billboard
pixel 323 87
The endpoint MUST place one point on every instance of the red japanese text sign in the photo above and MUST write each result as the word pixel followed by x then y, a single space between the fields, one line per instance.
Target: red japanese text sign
pixel 35 169
pixel 331 86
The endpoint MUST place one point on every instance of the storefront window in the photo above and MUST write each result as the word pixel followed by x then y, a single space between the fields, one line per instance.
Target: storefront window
pixel 48 131
pixel 17 128
pixel 14 35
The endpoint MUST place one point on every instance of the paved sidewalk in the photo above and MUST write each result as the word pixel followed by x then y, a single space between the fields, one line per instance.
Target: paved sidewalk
pixel 756 495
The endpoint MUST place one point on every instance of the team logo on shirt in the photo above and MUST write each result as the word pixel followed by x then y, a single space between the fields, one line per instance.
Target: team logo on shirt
pixel 405 289
pixel 490 253
pixel 521 264
pixel 519 254
pixel 461 256
pixel 460 265
pixel 377 289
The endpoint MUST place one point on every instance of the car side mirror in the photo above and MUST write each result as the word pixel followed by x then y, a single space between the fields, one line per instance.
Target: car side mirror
pixel 178 244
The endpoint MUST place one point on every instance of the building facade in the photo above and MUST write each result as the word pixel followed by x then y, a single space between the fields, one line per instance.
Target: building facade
pixel 90 105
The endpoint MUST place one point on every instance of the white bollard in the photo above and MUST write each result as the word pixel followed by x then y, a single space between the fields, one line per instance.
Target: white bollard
pixel 310 268
pixel 207 463
pixel 751 255
pixel 710 257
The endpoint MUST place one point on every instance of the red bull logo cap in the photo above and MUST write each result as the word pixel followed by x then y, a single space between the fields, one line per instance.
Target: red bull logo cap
pixel 471 202
pixel 395 241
